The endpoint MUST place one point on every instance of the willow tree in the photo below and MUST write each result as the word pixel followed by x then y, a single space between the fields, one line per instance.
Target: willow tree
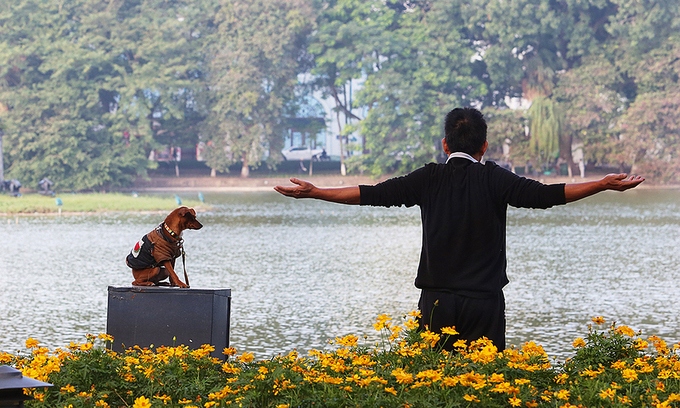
pixel 545 127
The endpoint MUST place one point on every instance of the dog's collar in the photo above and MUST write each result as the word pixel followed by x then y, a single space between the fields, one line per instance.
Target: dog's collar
pixel 171 232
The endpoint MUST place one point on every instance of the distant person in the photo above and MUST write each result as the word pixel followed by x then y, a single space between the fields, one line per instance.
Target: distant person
pixel 463 204
pixel 45 186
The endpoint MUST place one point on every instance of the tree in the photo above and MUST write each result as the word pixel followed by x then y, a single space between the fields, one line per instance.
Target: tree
pixel 259 49
pixel 88 86
pixel 414 65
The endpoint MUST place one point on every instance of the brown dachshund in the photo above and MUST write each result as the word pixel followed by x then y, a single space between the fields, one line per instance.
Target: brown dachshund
pixel 152 259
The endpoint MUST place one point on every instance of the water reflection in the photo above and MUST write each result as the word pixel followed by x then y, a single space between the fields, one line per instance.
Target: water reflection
pixel 302 272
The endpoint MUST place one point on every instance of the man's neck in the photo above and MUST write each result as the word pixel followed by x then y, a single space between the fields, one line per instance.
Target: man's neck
pixel 475 158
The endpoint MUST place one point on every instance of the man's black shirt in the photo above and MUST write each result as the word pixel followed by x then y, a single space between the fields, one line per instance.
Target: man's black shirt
pixel 463 209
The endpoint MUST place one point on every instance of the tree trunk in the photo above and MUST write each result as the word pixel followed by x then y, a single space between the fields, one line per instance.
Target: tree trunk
pixel 2 165
pixel 245 170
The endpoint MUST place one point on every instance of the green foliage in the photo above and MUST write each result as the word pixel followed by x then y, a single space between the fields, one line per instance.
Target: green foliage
pixel 610 367
pixel 258 51
pixel 88 88
pixel 545 128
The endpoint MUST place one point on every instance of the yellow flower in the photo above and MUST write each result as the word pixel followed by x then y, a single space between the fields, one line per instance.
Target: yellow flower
pixel 102 404
pixel 598 320
pixel 31 343
pixel 283 406
pixel 142 402
pixel 430 338
pixel 640 344
pixel 625 330
pixel 106 337
pixel 629 374
pixel 391 390
pixel 562 394
pixel 578 342
pixel 381 322
pixel 411 324
pixel 229 351
pixel 348 341
pixel 402 376
pixel 165 398
pixel 470 398
pixel 618 365
pixel 68 388
pixel 246 357
pixel 450 331
pixel 515 402
pixel 609 394
pixel 415 313
pixel 460 344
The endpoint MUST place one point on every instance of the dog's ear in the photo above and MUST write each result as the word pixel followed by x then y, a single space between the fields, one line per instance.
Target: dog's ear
pixel 187 212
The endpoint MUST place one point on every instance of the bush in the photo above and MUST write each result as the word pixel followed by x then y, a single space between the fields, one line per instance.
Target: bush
pixel 612 366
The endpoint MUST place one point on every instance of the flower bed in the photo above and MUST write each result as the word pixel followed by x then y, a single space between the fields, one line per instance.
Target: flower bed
pixel 611 366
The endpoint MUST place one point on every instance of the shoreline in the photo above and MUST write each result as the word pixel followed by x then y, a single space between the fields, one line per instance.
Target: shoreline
pixel 262 184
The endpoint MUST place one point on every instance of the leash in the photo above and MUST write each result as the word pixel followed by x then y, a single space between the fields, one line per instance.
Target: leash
pixel 184 264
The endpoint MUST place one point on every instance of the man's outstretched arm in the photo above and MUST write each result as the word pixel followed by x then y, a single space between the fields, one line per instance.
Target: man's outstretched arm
pixel 617 182
pixel 305 189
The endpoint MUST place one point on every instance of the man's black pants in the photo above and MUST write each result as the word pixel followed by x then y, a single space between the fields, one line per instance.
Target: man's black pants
pixel 473 316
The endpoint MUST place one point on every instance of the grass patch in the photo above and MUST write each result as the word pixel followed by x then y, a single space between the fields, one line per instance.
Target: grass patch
pixel 90 202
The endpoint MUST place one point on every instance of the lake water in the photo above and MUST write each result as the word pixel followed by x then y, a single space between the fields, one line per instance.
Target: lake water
pixel 303 272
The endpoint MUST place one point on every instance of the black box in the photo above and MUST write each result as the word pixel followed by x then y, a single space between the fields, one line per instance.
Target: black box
pixel 168 316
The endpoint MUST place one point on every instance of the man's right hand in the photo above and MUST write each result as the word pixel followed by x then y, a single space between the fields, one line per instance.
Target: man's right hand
pixel 303 189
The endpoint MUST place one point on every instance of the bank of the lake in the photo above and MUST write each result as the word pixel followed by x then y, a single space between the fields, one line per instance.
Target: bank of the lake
pixel 77 203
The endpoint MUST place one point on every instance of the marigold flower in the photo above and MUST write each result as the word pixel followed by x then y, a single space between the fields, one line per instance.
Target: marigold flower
pixel 640 344
pixel 31 343
pixel 67 388
pixel 391 390
pixel 402 376
pixel 598 320
pixel 164 398
pixel 578 342
pixel 142 402
pixel 629 375
pixel 514 401
pixel 460 344
pixel 470 398
pixel 450 331
pixel 246 357
pixel 625 330
pixel 229 351
pixel 562 394
pixel 347 341
pixel 609 394
pixel 381 322
pixel 411 324
pixel 430 338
